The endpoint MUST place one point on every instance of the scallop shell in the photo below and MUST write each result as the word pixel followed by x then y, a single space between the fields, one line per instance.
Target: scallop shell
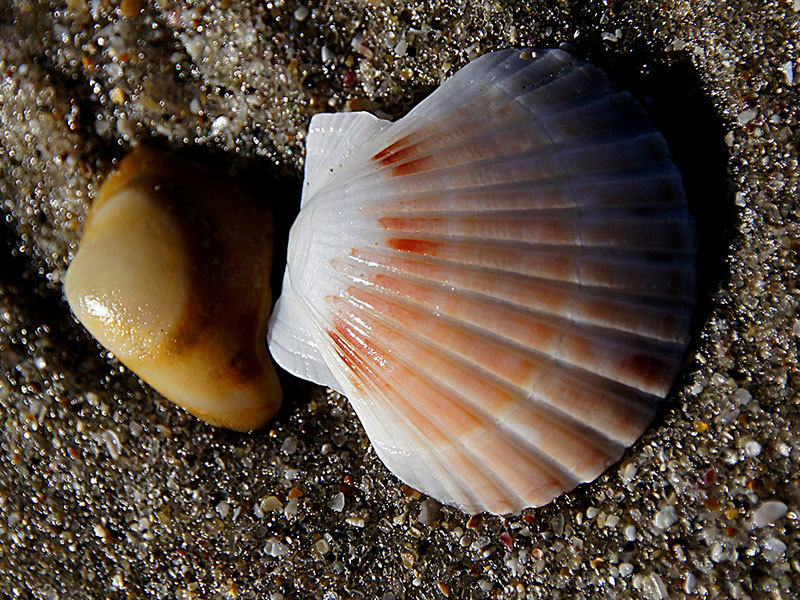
pixel 501 282
pixel 172 276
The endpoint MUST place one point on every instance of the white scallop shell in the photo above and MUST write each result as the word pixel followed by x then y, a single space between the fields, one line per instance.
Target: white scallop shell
pixel 501 282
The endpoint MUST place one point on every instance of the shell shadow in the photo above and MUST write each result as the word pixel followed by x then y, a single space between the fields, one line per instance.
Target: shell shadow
pixel 672 94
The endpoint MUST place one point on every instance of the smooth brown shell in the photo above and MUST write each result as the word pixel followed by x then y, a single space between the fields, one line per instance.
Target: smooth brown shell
pixel 172 276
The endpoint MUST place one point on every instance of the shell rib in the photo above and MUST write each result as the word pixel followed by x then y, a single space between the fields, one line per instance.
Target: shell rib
pixel 501 282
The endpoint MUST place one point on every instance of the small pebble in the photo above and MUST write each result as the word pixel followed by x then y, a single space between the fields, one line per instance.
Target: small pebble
pixel 113 445
pixel 101 532
pixel 219 124
pixel 752 448
pixel 768 513
pixel 666 517
pixel 690 583
pixel 787 70
pixel 630 533
pixel 289 445
pixel 337 502
pixel 747 115
pixel 270 503
pixel 274 547
pixel 654 588
pixel 774 549
pixel 301 13
pixel 629 472
pixel 327 54
pixel 356 521
pixel 291 508
pixel 322 546
pixel 130 8
pixel 625 569
pixel 429 512
pixel 507 541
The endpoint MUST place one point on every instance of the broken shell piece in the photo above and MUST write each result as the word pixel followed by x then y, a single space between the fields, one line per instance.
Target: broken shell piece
pixel 172 276
pixel 508 292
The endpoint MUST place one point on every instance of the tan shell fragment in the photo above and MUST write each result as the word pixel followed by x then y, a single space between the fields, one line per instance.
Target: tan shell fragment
pixel 172 276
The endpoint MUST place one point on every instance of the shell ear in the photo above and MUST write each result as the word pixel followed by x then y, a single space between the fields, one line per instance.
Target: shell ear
pixel 172 276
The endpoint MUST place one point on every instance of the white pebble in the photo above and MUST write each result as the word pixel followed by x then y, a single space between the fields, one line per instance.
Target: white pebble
pixel 768 513
pixel 401 47
pixel 665 518
pixel 690 583
pixel 773 549
pixel 291 508
pixel 747 115
pixel 327 54
pixel 654 587
pixel 112 443
pixel 223 508
pixel 752 448
pixel 629 472
pixel 612 521
pixel 219 124
pixel 630 533
pixel 322 546
pixel 301 13
pixel 274 548
pixel 118 581
pixel 625 569
pixel 289 445
pixel 337 502
pixel 592 512
pixel 787 69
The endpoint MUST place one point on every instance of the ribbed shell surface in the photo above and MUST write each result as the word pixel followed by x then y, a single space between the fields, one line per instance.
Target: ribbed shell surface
pixel 501 282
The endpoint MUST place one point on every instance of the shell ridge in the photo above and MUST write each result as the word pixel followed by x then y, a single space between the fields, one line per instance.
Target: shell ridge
pixel 584 271
pixel 620 335
pixel 575 291
pixel 509 337
pixel 452 440
pixel 435 253
pixel 595 437
pixel 549 195
pixel 479 461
